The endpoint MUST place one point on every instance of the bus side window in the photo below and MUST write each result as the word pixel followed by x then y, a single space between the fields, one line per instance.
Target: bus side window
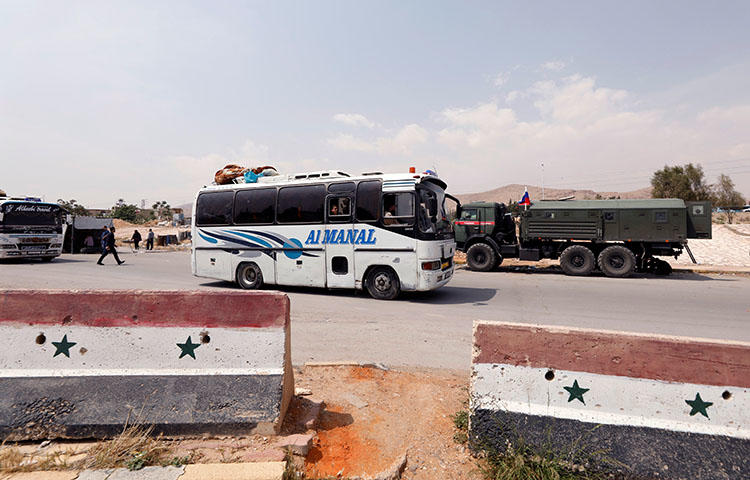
pixel 398 208
pixel 254 206
pixel 368 201
pixel 214 208
pixel 339 209
pixel 303 204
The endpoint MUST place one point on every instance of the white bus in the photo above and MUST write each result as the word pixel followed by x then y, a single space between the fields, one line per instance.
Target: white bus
pixel 383 233
pixel 30 228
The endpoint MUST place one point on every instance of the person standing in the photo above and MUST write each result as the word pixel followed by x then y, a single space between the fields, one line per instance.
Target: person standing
pixel 108 246
pixel 150 240
pixel 136 238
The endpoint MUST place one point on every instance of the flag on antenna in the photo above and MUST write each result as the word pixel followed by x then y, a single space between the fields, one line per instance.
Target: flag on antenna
pixel 525 199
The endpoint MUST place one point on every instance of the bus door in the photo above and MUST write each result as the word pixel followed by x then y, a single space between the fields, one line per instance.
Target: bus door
pixel 339 241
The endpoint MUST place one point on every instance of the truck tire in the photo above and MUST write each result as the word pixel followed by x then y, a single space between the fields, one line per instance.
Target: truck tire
pixel 249 276
pixel 662 267
pixel 382 283
pixel 577 260
pixel 617 261
pixel 481 257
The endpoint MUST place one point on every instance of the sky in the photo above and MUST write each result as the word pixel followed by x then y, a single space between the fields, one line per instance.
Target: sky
pixel 146 100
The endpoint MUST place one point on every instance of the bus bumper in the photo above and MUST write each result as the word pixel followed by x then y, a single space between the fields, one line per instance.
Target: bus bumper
pixel 431 280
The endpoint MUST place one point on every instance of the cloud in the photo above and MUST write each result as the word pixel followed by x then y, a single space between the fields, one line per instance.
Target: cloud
pixel 501 79
pixel 401 142
pixel 553 65
pixel 586 135
pixel 353 119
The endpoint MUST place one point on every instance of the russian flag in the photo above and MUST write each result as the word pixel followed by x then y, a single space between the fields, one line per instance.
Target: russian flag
pixel 525 200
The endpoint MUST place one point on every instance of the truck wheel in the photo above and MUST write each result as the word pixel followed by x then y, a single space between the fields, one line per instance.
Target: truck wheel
pixel 481 257
pixel 577 260
pixel 382 283
pixel 617 261
pixel 249 276
pixel 661 267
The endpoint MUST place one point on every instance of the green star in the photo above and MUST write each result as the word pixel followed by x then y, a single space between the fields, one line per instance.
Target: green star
pixel 576 392
pixel 188 348
pixel 63 347
pixel 698 405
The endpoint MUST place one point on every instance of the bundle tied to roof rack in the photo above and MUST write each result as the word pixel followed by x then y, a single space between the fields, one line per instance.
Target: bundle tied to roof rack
pixel 231 172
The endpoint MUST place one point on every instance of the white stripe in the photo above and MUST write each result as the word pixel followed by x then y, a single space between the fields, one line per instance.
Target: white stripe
pixel 140 348
pixel 611 400
pixel 132 372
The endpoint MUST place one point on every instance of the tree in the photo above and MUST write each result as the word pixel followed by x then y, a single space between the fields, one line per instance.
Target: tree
pixel 162 210
pixel 73 206
pixel 685 182
pixel 727 197
pixel 124 211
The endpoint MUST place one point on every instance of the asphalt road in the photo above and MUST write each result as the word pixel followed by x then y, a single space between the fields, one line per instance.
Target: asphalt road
pixel 434 329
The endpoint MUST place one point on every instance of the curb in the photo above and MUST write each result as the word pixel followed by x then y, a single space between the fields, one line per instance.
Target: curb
pixel 205 471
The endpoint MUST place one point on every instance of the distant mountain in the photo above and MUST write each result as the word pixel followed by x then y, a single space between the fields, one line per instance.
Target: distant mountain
pixel 514 193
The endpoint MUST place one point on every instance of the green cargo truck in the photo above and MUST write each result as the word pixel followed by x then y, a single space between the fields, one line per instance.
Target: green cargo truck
pixel 617 237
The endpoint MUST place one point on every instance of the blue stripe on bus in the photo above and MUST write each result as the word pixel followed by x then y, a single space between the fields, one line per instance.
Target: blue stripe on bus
pixel 251 237
pixel 208 239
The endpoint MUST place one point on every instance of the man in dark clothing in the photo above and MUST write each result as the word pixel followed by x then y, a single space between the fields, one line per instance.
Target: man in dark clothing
pixel 108 245
pixel 150 240
pixel 136 238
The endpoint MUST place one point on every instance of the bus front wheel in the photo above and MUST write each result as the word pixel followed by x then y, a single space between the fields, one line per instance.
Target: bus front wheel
pixel 249 276
pixel 383 284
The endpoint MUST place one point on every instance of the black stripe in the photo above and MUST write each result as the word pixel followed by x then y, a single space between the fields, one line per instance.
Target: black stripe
pixel 644 452
pixel 98 406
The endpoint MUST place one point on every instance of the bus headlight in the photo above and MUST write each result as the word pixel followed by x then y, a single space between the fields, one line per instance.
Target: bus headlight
pixel 55 245
pixel 431 265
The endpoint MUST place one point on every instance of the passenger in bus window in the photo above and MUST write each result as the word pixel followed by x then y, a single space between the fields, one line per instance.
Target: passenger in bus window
pixel 334 210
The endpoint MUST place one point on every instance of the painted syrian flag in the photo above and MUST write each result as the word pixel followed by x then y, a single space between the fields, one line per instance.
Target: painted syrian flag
pixel 665 407
pixel 525 200
pixel 186 362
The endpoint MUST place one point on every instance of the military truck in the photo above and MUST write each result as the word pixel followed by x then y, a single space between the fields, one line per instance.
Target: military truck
pixel 617 237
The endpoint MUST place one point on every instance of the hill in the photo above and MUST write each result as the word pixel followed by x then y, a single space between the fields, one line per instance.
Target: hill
pixel 514 193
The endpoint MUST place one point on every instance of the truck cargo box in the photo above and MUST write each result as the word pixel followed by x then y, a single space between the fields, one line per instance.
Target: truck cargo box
pixel 654 220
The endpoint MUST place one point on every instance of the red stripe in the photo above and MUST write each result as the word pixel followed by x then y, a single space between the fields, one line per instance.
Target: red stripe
pixel 654 357
pixel 127 308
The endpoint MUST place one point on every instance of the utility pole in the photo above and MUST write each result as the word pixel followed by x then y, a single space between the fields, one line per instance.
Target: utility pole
pixel 542 180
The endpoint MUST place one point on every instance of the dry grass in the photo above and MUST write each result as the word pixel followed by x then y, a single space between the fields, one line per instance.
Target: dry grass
pixel 13 460
pixel 134 448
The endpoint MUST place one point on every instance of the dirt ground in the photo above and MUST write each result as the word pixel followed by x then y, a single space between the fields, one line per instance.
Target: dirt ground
pixel 375 417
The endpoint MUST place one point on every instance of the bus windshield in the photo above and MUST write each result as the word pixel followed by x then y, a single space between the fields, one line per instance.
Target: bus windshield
pixel 431 209
pixel 21 214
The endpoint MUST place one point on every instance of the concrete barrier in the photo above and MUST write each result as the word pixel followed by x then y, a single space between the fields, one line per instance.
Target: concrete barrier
pixel 654 406
pixel 79 364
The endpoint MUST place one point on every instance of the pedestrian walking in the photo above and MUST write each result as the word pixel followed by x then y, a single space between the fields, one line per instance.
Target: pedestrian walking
pixel 108 245
pixel 150 240
pixel 136 238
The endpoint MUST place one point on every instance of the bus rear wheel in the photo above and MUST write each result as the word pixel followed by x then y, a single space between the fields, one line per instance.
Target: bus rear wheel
pixel 249 276
pixel 382 283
